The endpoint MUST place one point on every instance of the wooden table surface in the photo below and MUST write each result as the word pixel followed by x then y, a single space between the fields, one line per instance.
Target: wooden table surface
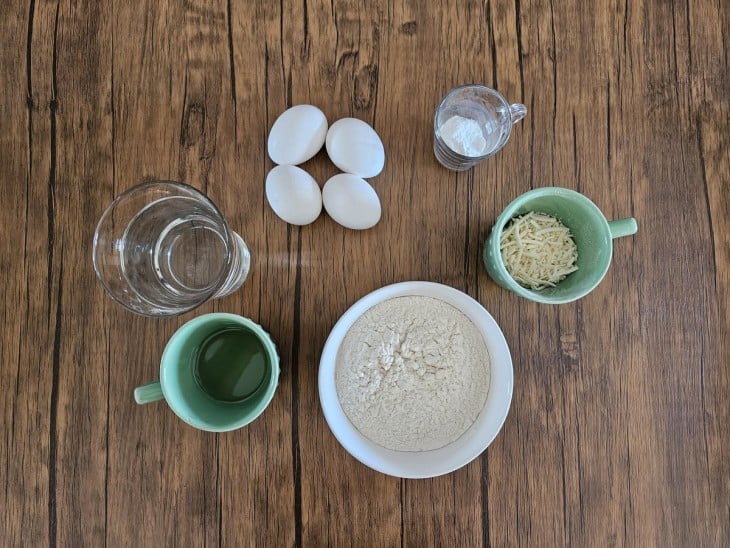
pixel 619 429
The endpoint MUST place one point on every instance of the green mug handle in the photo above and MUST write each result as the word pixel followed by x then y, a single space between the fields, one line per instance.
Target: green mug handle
pixel 148 393
pixel 622 227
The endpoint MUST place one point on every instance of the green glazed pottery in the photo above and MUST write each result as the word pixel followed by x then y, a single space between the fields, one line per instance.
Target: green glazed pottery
pixel 592 233
pixel 179 388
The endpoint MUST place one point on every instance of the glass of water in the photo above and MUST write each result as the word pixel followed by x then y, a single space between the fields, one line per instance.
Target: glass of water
pixel 163 248
pixel 472 122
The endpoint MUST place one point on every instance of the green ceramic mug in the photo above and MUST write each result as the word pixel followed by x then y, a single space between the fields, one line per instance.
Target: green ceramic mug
pixel 592 233
pixel 182 391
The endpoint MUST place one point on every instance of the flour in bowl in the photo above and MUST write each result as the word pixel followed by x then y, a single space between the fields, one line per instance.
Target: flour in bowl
pixel 412 373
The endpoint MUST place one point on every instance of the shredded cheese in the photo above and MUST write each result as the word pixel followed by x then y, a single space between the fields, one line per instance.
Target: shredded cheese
pixel 538 250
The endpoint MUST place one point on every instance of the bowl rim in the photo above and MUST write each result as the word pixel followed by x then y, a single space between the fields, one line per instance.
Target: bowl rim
pixel 436 462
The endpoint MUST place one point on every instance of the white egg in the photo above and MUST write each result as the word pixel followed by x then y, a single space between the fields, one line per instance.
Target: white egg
pixel 293 194
pixel 297 135
pixel 354 147
pixel 351 201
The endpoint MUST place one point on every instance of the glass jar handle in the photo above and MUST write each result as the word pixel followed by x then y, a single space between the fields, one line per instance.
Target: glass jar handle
pixel 517 112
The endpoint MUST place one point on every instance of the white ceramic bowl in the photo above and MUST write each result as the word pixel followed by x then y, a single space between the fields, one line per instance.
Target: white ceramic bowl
pixel 421 464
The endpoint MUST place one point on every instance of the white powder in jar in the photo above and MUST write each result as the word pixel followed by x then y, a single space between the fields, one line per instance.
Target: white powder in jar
pixel 463 135
pixel 412 373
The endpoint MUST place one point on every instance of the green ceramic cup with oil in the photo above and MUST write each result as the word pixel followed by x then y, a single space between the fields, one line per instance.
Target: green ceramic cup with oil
pixel 592 232
pixel 218 372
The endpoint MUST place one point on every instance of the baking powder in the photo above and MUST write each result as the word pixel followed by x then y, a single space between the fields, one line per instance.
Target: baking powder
pixel 463 135
pixel 412 373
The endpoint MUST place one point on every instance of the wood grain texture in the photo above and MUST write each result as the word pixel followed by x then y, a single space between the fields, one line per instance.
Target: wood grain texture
pixel 619 427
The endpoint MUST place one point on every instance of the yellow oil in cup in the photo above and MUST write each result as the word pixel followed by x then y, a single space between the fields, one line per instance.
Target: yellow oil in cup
pixel 218 372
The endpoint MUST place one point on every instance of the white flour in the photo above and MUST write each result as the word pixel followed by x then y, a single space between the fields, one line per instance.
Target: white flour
pixel 412 373
pixel 463 135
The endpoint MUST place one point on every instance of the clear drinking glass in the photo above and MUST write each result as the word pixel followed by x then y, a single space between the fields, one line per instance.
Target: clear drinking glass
pixel 472 122
pixel 163 248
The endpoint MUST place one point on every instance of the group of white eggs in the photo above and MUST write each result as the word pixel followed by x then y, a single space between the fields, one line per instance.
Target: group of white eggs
pixel 353 146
